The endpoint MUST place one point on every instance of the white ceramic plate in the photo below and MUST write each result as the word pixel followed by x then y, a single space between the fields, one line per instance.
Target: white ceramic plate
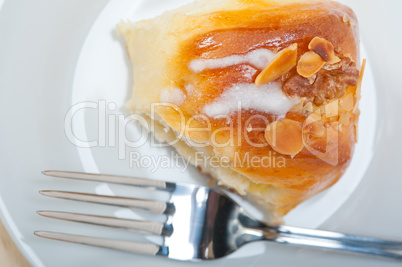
pixel 102 72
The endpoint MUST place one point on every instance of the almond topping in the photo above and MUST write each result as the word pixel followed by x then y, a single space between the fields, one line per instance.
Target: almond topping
pixel 314 126
pixel 331 109
pixel 298 108
pixel 346 19
pixel 346 102
pixel 309 64
pixel 359 86
pixel 356 125
pixel 285 137
pixel 334 66
pixel 312 118
pixel 348 55
pixel 318 112
pixel 325 49
pixel 308 108
pixel 312 79
pixel 315 129
pixel 283 62
pixel 345 118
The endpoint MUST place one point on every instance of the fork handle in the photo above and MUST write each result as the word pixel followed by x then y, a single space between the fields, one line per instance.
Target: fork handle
pixel 255 230
pixel 345 246
pixel 350 239
pixel 325 240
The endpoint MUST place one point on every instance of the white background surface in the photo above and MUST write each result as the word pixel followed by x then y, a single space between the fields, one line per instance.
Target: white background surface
pixel 37 62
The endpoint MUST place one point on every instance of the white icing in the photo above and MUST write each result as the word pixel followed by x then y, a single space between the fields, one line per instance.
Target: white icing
pixel 173 96
pixel 258 58
pixel 190 89
pixel 267 98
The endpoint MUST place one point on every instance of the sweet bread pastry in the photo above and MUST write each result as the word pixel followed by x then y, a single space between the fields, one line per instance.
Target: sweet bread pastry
pixel 260 94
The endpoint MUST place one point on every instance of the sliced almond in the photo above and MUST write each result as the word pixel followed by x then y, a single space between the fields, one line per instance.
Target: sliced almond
pixel 347 19
pixel 346 102
pixel 308 108
pixel 359 86
pixel 309 64
pixel 325 49
pixel 322 110
pixel 318 112
pixel 298 108
pixel 357 102
pixel 285 137
pixel 315 129
pixel 345 118
pixel 335 125
pixel 312 79
pixel 283 62
pixel 334 66
pixel 348 55
pixel 356 125
pixel 314 126
pixel 312 118
pixel 332 109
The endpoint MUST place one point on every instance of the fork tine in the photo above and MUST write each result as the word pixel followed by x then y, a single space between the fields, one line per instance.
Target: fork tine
pixel 140 226
pixel 158 207
pixel 126 180
pixel 134 247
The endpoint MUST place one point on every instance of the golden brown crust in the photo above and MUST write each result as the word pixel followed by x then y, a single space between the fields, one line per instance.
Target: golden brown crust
pixel 277 27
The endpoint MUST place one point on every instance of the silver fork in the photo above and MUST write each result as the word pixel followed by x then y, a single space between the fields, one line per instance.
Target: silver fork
pixel 206 221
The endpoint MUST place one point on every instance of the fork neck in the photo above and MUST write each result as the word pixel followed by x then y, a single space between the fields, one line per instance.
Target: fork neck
pixel 250 230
